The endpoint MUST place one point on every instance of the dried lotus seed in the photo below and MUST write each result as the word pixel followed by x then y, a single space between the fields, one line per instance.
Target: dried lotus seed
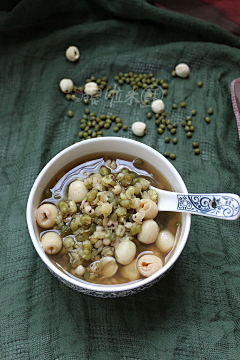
pixel 165 241
pixel 139 128
pixel 51 242
pixel 47 215
pixel 158 106
pixel 66 85
pixel 91 88
pixel 72 53
pixel 182 70
pixel 149 264
pixel 77 191
pixel 109 266
pixel 149 232
pixel 125 252
pixel 149 207
pixel 80 270
pixel 130 271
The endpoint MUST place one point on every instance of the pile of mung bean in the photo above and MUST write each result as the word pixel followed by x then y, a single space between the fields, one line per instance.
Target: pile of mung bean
pixel 143 81
pixel 91 124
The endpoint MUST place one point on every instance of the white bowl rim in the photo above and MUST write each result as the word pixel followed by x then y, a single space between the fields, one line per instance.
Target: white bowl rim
pixel 100 287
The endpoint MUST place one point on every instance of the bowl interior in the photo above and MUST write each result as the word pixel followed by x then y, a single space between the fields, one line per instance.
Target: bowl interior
pixel 103 145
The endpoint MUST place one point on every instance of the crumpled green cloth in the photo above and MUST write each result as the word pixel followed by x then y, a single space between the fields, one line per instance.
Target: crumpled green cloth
pixel 194 311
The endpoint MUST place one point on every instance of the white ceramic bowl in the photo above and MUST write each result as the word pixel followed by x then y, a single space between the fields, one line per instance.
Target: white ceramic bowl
pixel 93 146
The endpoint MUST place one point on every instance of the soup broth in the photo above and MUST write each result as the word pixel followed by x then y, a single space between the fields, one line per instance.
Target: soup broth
pixel 94 228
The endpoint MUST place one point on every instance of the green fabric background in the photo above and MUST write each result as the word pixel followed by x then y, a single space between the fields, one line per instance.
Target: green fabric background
pixel 194 312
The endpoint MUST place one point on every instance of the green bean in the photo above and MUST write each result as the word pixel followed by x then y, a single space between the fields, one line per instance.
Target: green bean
pixel 207 119
pixel 60 225
pixel 195 144
pixel 138 161
pixel 126 180
pixel 172 156
pixel 125 203
pixel 65 231
pixel 104 171
pixel 57 196
pixel 47 193
pixel 114 216
pixel 200 83
pixel 85 219
pixel 135 229
pixel 112 237
pixel 70 113
pixel 73 225
pixel 210 111
pixel 87 245
pixel 99 222
pixel 91 195
pixel 130 218
pixel 63 209
pixel 135 180
pixel 108 180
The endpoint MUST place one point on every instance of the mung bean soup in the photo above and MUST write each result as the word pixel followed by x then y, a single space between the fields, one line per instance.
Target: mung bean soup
pixel 99 221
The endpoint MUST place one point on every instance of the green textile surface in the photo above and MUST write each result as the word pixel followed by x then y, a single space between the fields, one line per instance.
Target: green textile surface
pixel 194 311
